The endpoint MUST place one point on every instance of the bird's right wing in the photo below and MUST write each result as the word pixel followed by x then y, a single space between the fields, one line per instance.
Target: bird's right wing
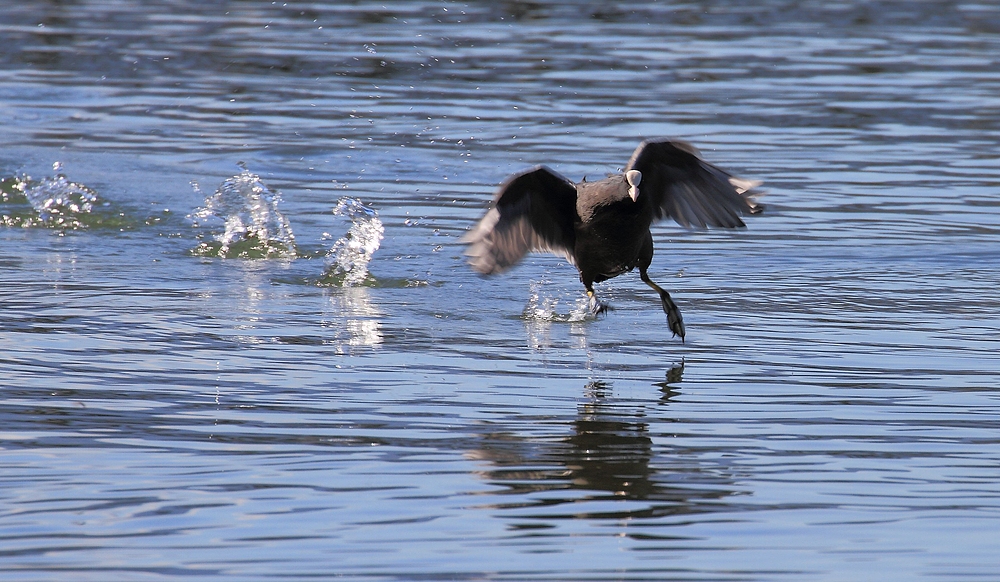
pixel 532 211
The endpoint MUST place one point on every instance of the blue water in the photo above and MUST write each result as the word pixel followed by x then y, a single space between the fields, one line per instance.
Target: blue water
pixel 288 372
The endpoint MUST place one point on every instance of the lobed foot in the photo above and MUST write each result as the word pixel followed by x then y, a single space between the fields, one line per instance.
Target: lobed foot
pixel 674 319
pixel 597 306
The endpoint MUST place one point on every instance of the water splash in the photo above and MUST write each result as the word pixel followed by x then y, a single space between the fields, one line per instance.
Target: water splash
pixel 543 306
pixel 247 212
pixel 54 202
pixel 12 190
pixel 348 258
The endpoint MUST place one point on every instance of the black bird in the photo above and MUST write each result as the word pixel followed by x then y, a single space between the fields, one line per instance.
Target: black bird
pixel 603 227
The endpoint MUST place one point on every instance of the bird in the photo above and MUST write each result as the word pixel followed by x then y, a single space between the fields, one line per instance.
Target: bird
pixel 602 227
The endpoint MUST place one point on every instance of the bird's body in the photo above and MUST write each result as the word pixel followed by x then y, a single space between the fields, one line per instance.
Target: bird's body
pixel 612 231
pixel 603 227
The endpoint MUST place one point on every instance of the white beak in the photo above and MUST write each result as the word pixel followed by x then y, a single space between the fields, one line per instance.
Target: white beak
pixel 633 177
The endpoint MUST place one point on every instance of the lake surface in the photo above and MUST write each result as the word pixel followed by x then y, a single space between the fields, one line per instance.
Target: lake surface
pixel 180 403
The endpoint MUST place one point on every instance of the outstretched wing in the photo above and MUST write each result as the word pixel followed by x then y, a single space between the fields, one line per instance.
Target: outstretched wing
pixel 678 184
pixel 532 211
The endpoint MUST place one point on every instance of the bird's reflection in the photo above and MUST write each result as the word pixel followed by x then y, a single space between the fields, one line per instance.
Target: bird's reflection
pixel 608 453
pixel 668 387
pixel 610 448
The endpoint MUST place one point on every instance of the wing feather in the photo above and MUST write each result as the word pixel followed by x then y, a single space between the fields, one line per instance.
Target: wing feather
pixel 678 184
pixel 534 210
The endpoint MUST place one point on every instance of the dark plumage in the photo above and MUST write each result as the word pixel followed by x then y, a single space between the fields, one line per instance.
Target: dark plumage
pixel 603 227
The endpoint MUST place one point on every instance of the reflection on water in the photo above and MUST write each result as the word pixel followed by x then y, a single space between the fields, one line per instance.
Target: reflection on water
pixel 610 449
pixel 352 318
pixel 673 377
pixel 607 457
pixel 379 414
pixel 250 326
pixel 540 337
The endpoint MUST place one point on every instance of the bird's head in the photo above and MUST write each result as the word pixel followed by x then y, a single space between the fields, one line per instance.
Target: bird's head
pixel 633 177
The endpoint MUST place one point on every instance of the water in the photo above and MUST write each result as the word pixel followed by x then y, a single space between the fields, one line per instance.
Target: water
pixel 349 257
pixel 252 226
pixel 170 410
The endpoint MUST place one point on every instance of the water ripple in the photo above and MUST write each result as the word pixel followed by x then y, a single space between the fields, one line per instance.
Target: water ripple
pixel 374 410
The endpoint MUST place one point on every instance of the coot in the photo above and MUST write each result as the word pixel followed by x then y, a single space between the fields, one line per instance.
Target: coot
pixel 603 227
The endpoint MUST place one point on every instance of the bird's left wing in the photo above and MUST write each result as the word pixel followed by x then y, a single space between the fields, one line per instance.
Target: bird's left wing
pixel 534 210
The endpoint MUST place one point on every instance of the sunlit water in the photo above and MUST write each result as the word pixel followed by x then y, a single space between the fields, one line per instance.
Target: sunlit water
pixel 289 372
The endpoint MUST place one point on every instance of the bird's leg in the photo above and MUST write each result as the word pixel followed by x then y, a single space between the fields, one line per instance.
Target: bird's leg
pixel 674 319
pixel 597 306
